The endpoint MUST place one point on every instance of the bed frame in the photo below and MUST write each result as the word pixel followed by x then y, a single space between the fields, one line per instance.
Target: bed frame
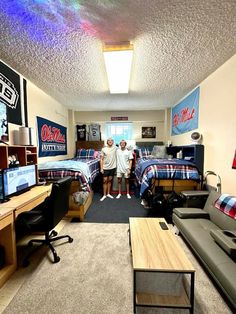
pixel 97 145
pixel 179 185
pixel 75 210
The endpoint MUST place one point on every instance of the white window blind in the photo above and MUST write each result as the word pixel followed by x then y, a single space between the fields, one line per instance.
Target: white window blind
pixel 119 131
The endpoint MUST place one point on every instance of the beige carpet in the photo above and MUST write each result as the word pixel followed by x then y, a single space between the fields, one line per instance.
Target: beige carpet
pixel 95 276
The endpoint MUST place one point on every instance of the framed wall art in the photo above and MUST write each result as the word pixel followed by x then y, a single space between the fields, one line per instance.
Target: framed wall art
pixel 149 132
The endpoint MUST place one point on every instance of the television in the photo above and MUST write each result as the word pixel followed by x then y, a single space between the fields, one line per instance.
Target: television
pixel 18 180
pixel 3 123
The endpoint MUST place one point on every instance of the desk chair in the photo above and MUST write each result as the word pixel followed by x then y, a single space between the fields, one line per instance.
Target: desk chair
pixel 46 216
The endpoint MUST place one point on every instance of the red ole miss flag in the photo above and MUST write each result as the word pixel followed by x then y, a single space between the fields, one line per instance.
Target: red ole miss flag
pixel 234 161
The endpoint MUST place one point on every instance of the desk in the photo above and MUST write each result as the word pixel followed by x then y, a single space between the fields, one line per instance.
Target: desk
pixel 8 213
pixel 157 251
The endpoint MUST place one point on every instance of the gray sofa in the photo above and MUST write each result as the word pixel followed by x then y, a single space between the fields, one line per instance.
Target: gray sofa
pixel 212 236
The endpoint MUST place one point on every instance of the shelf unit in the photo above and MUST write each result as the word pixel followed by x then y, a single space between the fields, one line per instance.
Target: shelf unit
pixel 193 153
pixel 26 155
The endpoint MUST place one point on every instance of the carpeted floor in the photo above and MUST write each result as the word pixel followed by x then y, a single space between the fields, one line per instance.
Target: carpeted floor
pixel 114 210
pixel 94 276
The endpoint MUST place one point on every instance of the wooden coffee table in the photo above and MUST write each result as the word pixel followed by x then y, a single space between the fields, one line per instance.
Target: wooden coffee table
pixel 155 250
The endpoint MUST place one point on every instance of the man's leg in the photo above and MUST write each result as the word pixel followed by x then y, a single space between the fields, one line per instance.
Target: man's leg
pixel 109 187
pixel 119 186
pixel 127 187
pixel 105 179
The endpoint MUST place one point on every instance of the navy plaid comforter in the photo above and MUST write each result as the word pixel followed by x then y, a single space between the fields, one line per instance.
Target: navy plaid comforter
pixel 54 174
pixel 175 169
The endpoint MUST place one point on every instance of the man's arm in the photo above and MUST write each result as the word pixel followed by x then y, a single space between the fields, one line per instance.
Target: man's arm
pixel 101 163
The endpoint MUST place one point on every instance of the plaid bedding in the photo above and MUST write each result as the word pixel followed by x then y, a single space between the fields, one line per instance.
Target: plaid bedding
pixel 54 174
pixel 164 169
pixel 227 204
pixel 93 165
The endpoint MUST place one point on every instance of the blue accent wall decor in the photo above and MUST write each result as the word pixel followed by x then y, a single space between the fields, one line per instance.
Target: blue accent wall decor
pixel 184 117
pixel 52 138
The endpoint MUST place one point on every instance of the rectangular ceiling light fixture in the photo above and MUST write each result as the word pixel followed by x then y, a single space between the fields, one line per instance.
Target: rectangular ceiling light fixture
pixel 118 61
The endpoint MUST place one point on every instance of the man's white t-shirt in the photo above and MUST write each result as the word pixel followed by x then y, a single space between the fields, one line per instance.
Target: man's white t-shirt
pixel 109 157
pixel 123 158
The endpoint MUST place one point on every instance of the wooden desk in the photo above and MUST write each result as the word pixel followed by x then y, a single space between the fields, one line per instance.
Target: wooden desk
pixel 8 213
pixel 157 250
pixel 30 199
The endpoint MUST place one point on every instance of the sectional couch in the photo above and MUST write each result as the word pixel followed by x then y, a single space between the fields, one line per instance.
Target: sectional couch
pixel 212 236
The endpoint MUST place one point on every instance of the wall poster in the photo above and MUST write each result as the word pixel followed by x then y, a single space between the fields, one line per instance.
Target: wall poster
pixel 52 138
pixel 185 114
pixel 10 93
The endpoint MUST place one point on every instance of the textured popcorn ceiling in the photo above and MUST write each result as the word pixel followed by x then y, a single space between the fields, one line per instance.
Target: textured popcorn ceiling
pixel 58 46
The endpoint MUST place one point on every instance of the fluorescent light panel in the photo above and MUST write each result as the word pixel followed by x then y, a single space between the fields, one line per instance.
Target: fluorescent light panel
pixel 118 61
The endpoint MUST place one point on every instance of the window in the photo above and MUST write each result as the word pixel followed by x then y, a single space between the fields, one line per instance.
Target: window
pixel 119 131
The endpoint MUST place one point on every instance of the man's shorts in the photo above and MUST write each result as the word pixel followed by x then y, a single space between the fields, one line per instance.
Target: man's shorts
pixel 109 172
pixel 126 175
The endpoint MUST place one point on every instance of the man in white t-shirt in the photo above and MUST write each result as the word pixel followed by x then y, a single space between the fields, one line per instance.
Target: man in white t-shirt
pixel 124 164
pixel 108 167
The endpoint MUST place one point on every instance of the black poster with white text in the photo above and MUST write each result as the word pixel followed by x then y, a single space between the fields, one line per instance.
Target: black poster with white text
pixel 10 93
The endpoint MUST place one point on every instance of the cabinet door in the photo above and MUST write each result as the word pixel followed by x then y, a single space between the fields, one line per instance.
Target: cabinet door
pixel 3 157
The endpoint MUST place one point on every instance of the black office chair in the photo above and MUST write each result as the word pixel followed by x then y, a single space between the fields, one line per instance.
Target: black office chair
pixel 46 216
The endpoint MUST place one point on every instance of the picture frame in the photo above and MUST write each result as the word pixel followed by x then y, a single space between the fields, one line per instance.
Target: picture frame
pixel 149 132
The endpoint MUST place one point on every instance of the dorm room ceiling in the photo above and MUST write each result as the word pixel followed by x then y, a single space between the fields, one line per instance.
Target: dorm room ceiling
pixel 57 45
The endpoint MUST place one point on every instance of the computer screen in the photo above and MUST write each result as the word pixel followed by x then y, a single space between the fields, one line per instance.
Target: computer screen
pixel 17 180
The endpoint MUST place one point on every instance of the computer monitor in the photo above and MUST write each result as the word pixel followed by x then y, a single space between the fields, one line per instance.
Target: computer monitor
pixel 18 180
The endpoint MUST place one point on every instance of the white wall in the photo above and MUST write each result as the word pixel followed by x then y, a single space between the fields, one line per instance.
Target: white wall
pixel 42 105
pixel 217 124
pixel 139 119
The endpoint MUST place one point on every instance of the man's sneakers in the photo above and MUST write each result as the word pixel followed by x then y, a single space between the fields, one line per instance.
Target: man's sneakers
pixel 119 195
pixel 110 196
pixel 103 198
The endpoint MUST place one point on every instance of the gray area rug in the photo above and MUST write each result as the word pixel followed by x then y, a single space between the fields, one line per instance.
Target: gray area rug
pixel 95 276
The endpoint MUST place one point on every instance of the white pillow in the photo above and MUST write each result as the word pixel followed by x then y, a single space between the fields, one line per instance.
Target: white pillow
pixel 159 151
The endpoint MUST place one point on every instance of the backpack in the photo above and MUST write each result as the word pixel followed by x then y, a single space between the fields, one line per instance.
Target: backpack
pixel 158 205
pixel 173 200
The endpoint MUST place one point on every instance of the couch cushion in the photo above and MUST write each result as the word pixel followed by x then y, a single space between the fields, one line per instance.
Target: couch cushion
pixel 213 196
pixel 225 274
pixel 221 220
pixel 197 233
pixel 221 265
pixel 190 212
